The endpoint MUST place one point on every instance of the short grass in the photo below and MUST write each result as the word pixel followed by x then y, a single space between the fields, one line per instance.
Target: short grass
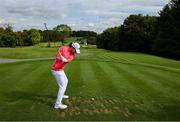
pixel 103 85
pixel 27 52
pixel 37 51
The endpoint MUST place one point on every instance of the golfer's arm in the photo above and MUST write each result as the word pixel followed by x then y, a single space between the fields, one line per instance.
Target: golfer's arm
pixel 62 58
pixel 69 59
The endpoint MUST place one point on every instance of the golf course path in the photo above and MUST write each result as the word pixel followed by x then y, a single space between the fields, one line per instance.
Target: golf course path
pixel 6 60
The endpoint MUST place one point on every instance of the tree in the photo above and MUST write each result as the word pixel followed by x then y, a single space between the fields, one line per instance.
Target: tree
pixel 1 34
pixel 25 38
pixel 91 40
pixel 34 36
pixel 138 33
pixel 167 41
pixel 90 36
pixel 63 30
pixel 7 37
pixel 19 36
pixel 8 27
pixel 109 39
pixel 9 40
pixel 84 34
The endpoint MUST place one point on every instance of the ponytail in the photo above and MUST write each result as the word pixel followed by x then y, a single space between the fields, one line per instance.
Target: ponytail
pixel 70 44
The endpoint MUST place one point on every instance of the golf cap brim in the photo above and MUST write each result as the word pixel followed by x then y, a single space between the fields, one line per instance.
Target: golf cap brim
pixel 76 46
pixel 78 51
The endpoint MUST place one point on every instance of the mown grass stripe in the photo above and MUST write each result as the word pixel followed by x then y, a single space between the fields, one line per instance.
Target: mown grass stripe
pixel 74 72
pixel 90 86
pixel 149 59
pixel 31 82
pixel 110 57
pixel 102 56
pixel 143 60
pixel 116 57
pixel 118 80
pixel 17 71
pixel 144 87
pixel 36 77
pixel 104 81
pixel 153 64
pixel 105 58
pixel 156 84
pixel 166 79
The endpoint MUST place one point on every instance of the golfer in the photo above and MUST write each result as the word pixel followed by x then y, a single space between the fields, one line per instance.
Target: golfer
pixel 65 55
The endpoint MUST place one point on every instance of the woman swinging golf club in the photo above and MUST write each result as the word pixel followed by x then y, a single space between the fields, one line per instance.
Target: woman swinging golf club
pixel 65 55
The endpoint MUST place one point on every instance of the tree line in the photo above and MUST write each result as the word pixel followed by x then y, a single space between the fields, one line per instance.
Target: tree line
pixel 158 35
pixel 9 38
pixel 90 36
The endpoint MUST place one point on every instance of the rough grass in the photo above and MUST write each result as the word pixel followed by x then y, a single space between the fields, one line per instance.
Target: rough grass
pixel 103 85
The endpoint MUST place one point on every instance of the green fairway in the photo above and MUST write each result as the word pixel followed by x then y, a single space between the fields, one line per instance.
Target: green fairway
pixel 103 85
pixel 37 51
pixel 27 52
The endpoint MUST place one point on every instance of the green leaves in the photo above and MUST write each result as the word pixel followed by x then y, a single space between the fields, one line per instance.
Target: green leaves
pixel 63 30
pixel 167 41
pixel 147 34
pixel 34 36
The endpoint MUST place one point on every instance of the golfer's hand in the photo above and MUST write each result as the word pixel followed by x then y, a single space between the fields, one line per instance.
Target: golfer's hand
pixel 63 59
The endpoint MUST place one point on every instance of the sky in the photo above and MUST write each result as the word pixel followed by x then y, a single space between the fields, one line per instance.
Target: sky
pixel 93 15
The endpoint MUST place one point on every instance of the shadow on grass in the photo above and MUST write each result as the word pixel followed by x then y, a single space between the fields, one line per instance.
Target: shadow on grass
pixel 37 98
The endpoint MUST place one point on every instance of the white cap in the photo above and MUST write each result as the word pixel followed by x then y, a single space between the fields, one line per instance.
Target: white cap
pixel 76 46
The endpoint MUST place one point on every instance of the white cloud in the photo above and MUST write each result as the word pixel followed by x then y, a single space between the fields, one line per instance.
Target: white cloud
pixel 79 14
pixel 90 24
